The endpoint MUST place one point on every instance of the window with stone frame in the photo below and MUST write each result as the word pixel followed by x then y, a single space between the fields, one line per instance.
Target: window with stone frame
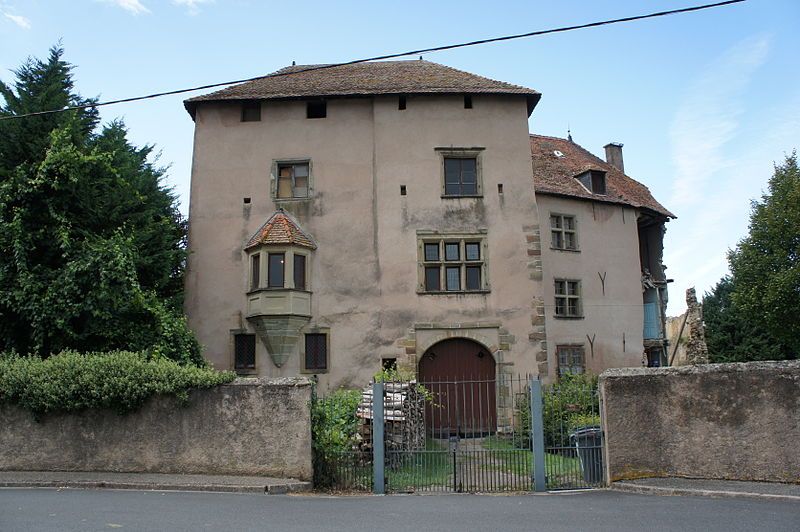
pixel 568 298
pixel 276 266
pixel 244 352
pixel 452 263
pixel 316 352
pixel 292 180
pixel 461 172
pixel 255 271
pixel 571 359
pixel 563 232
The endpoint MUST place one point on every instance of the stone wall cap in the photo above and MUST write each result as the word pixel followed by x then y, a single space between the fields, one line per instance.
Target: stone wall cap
pixel 266 381
pixel 768 365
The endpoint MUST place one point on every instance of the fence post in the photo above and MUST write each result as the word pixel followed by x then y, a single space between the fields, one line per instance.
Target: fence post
pixel 537 435
pixel 377 439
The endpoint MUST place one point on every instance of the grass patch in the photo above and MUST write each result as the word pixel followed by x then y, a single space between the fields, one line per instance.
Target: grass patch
pixel 420 469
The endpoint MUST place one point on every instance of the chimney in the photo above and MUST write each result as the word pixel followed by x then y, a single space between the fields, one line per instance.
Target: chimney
pixel 614 155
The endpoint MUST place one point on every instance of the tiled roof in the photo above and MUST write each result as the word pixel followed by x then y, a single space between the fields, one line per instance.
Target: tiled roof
pixel 553 174
pixel 281 228
pixel 364 79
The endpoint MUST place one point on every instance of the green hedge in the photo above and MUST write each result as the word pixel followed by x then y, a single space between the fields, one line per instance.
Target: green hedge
pixel 119 380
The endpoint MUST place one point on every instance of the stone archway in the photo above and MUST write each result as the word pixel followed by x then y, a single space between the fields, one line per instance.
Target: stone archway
pixel 460 373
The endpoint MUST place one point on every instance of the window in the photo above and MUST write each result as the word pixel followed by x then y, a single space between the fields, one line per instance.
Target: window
pixel 299 271
pixel 461 172
pixel 453 264
pixel 317 109
pixel 255 271
pixel 389 364
pixel 460 176
pixel 467 102
pixel 316 351
pixel 594 181
pixel 571 359
pixel 568 298
pixel 251 111
pixel 562 232
pixel 401 103
pixel 292 180
pixel 244 351
pixel 275 273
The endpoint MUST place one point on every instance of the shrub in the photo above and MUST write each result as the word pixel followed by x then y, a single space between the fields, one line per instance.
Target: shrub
pixel 569 404
pixel 119 380
pixel 334 428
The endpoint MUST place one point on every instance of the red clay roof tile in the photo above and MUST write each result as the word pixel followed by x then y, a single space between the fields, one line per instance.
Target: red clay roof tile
pixel 553 174
pixel 281 229
pixel 364 79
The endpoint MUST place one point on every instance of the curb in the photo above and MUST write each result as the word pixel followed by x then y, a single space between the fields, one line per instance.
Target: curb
pixel 269 489
pixel 655 490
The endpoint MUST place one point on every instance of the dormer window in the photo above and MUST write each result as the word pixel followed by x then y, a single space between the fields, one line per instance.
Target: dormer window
pixel 594 181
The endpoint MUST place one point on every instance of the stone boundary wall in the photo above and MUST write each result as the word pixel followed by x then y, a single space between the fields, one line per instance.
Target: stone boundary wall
pixel 248 427
pixel 715 421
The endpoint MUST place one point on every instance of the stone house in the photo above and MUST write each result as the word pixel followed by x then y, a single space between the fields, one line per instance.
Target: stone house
pixel 348 218
pixel 602 261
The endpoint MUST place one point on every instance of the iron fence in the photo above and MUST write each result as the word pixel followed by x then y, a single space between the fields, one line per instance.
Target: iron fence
pixel 572 435
pixel 460 435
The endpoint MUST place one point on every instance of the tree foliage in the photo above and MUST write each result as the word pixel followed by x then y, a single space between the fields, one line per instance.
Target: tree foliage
pixel 732 335
pixel 752 315
pixel 92 246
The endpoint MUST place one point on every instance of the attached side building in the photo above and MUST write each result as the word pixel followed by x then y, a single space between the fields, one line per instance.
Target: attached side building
pixel 602 233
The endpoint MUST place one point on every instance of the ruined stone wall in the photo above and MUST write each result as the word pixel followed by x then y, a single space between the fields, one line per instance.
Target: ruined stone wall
pixel 718 421
pixel 249 427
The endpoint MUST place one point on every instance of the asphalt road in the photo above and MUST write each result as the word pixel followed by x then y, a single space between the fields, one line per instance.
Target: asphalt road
pixel 67 510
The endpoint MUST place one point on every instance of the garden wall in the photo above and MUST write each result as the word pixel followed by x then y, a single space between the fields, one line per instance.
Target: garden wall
pixel 249 427
pixel 717 421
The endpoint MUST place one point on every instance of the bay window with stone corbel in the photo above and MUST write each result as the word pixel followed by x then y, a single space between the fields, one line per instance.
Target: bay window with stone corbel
pixel 279 291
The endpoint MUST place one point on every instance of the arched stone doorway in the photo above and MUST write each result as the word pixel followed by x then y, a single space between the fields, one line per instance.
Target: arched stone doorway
pixel 460 374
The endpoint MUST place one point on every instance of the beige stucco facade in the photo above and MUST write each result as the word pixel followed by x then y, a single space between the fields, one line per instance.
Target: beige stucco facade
pixel 607 265
pixel 364 275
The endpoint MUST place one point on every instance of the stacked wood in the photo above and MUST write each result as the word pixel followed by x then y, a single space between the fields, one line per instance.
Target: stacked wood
pixel 403 414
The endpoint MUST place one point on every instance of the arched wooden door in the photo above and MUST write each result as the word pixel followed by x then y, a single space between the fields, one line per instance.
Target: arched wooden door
pixel 460 374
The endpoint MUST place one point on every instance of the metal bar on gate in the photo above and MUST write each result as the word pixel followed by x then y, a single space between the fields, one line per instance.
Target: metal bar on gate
pixel 377 439
pixel 537 435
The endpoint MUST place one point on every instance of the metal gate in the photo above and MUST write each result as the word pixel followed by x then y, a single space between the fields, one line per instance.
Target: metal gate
pixel 470 435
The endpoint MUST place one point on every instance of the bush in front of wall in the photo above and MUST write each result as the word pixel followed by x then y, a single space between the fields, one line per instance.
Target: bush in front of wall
pixel 334 430
pixel 118 380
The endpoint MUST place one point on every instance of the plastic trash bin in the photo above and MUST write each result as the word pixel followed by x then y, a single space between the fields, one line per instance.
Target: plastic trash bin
pixel 588 442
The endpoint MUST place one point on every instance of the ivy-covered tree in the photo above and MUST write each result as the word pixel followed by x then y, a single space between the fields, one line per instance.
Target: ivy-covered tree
pixel 766 264
pixel 92 246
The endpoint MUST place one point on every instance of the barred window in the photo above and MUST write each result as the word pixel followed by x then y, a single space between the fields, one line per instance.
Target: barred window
pixel 316 351
pixel 244 351
pixel 568 298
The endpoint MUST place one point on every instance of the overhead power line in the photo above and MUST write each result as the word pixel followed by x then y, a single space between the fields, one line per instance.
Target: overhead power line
pixel 388 56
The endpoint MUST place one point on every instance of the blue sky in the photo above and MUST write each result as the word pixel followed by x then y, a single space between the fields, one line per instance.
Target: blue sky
pixel 704 102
